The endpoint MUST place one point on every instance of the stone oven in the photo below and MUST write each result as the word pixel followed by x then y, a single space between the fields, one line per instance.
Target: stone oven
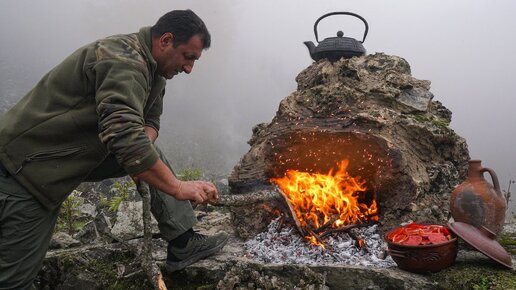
pixel 372 113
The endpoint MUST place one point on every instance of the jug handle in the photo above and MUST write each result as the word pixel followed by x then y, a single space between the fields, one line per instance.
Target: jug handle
pixel 345 13
pixel 496 184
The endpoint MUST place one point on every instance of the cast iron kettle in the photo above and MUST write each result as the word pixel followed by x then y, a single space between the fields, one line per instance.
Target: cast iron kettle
pixel 333 48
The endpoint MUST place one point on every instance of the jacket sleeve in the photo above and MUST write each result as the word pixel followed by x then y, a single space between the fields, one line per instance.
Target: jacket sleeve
pixel 121 92
pixel 152 116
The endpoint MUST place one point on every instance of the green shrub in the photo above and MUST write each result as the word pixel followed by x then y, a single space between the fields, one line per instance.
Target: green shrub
pixel 68 218
pixel 123 192
pixel 189 174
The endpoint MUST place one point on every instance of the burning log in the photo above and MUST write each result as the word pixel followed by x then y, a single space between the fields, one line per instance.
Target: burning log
pixel 318 240
pixel 327 225
pixel 346 229
pixel 294 216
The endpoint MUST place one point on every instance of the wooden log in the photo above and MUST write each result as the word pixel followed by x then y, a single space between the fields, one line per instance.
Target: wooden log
pixel 323 228
pixel 149 266
pixel 247 199
pixel 293 213
pixel 319 240
pixel 346 229
pixel 280 223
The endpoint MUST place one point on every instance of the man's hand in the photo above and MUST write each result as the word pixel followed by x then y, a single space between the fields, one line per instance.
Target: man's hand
pixel 160 176
pixel 197 191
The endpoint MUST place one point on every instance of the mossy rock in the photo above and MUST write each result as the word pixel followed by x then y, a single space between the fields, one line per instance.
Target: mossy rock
pixel 92 270
pixel 476 271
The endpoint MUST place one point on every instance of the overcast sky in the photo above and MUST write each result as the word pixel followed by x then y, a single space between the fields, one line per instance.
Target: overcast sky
pixel 467 49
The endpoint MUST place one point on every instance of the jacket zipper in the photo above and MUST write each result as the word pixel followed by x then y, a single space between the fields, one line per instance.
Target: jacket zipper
pixel 49 155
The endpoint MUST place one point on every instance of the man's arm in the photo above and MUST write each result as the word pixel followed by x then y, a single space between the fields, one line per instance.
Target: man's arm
pixel 151 133
pixel 119 87
pixel 161 177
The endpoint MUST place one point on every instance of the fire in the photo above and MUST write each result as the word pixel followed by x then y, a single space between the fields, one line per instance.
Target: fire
pixel 327 200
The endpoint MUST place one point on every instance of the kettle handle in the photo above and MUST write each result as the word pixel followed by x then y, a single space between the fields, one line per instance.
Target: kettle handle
pixel 496 184
pixel 344 13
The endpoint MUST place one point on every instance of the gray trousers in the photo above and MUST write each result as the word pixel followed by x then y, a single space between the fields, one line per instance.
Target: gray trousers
pixel 26 226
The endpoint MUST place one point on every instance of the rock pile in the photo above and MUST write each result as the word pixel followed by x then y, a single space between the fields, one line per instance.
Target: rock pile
pixel 372 112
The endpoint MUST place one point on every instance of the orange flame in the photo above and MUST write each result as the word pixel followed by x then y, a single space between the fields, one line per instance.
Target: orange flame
pixel 319 199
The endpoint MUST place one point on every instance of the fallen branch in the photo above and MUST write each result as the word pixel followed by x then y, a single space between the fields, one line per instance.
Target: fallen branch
pixel 132 274
pixel 151 269
pixel 144 254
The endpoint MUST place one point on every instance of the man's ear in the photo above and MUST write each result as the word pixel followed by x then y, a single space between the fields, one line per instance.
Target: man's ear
pixel 166 39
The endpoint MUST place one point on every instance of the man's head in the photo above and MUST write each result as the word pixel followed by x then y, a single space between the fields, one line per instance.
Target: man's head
pixel 178 39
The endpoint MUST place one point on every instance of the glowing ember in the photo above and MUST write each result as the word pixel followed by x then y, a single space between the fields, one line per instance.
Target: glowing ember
pixel 327 200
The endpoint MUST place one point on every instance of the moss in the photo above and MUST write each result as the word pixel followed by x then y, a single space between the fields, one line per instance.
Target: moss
pixel 440 122
pixel 105 273
pixel 508 241
pixel 317 90
pixel 103 270
pixel 470 276
pixel 190 279
pixel 68 263
pixel 420 118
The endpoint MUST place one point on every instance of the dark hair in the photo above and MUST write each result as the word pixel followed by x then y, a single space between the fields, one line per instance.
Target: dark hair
pixel 183 24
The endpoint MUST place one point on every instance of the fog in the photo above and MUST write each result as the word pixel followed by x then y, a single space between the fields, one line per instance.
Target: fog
pixel 465 48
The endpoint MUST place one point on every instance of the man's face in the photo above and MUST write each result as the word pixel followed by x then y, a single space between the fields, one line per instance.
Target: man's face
pixel 174 60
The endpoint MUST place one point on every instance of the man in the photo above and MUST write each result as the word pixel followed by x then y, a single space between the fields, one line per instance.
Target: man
pixel 95 116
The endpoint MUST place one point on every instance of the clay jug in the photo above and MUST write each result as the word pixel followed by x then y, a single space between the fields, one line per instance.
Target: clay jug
pixel 477 202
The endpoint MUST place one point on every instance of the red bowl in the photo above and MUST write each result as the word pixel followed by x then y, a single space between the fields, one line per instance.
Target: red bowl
pixel 423 258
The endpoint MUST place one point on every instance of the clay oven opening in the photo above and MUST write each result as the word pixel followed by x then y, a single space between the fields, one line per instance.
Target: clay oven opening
pixel 369 118
pixel 367 158
pixel 332 179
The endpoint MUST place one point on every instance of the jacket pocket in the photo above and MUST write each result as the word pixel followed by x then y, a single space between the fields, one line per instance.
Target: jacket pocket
pixel 50 155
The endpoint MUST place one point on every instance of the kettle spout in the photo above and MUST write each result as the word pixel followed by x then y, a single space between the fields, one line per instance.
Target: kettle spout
pixel 311 48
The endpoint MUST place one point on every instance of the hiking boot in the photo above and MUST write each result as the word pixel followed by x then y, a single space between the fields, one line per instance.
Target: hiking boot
pixel 197 246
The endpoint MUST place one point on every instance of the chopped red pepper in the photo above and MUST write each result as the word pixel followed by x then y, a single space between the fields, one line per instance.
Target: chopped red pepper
pixel 415 234
pixel 413 240
pixel 435 238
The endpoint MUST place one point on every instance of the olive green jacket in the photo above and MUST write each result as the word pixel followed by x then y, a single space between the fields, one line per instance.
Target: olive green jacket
pixel 94 103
